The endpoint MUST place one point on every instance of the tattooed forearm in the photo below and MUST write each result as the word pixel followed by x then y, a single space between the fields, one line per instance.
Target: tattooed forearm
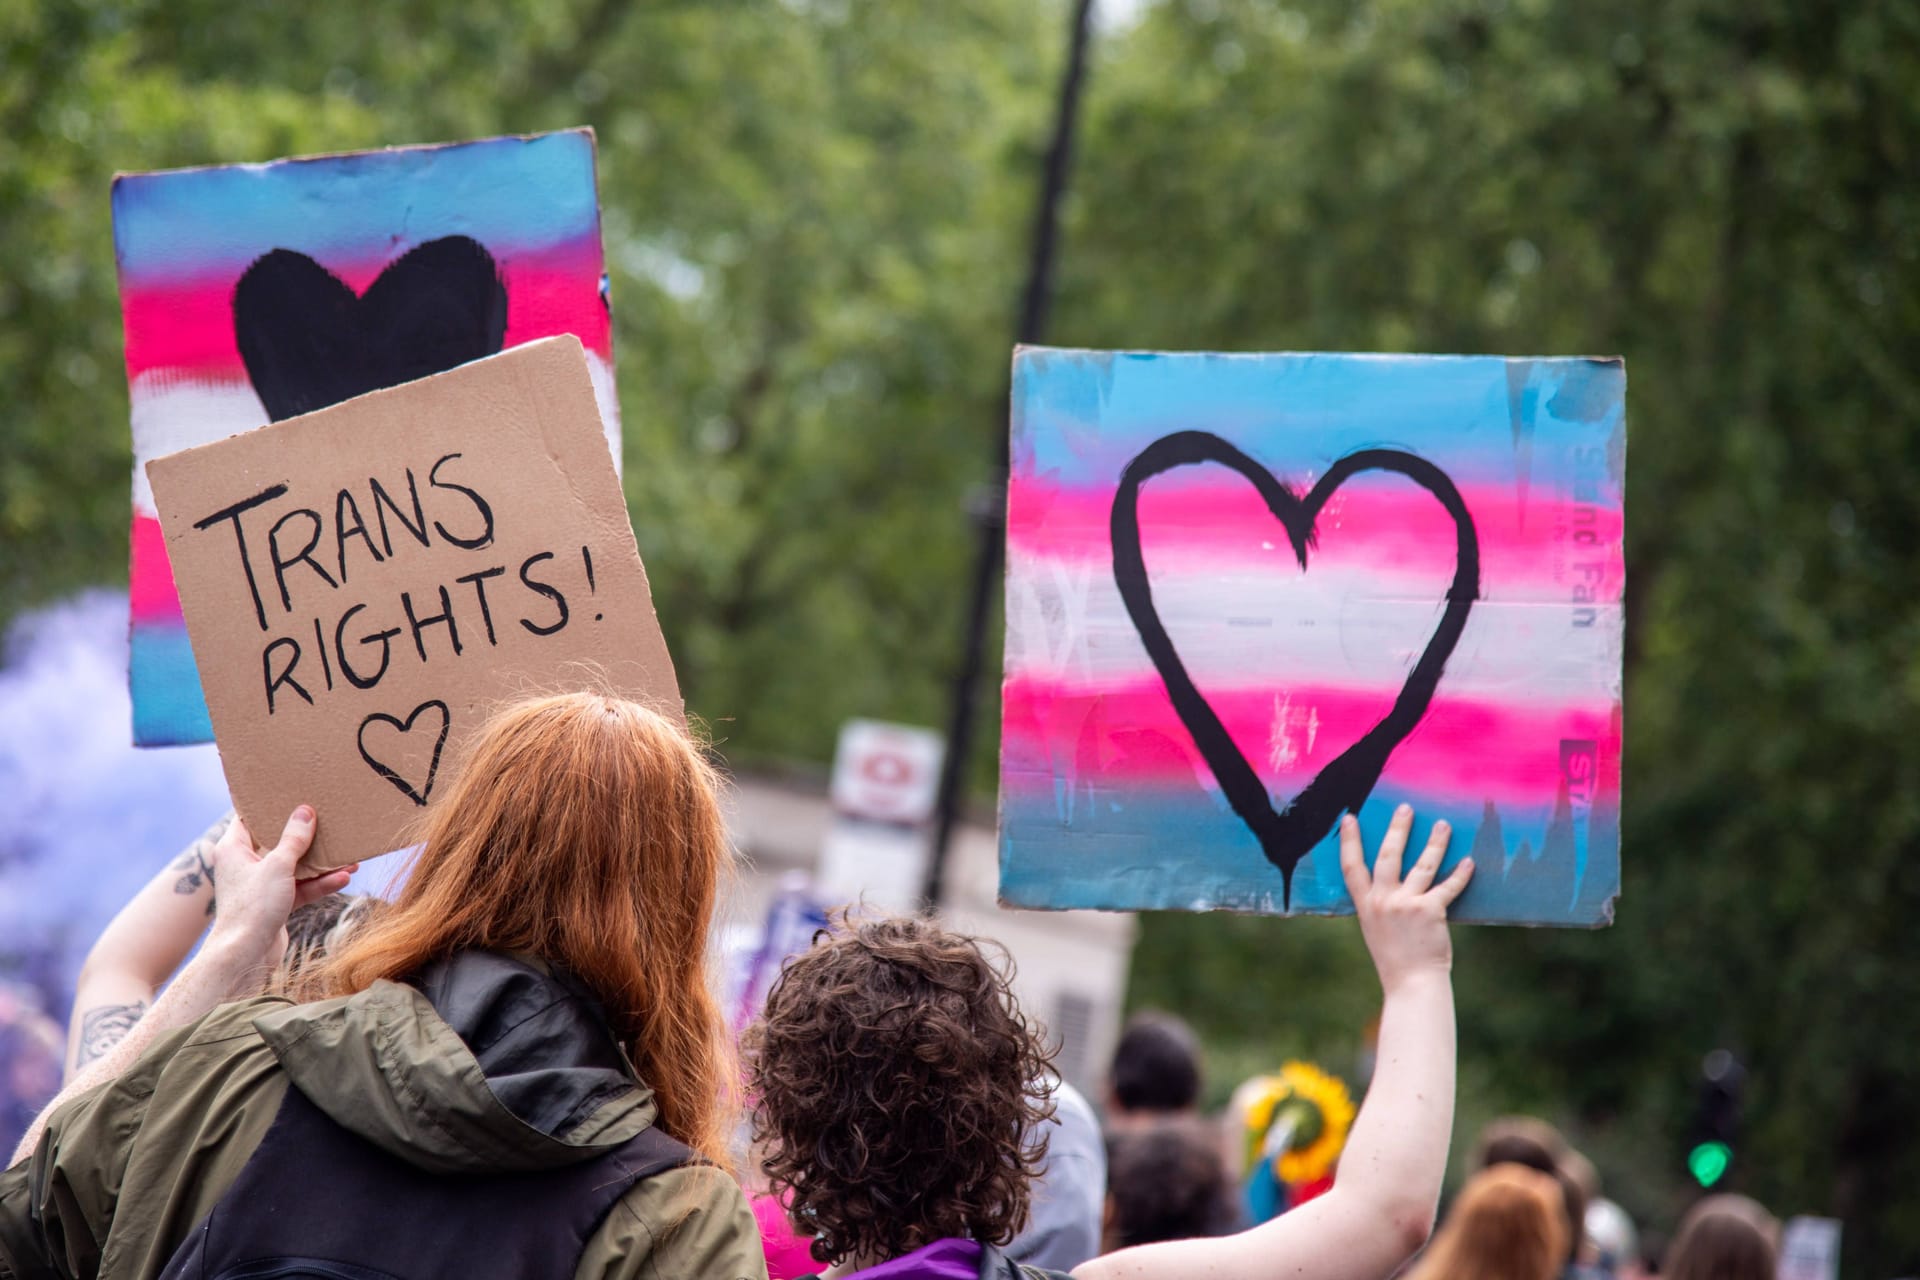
pixel 103 1027
pixel 196 863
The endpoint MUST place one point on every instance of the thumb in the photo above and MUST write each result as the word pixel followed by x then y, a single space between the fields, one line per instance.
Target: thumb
pixel 296 838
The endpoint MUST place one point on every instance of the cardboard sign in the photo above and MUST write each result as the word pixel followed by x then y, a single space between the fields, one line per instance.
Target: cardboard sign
pixel 364 584
pixel 1249 593
pixel 255 292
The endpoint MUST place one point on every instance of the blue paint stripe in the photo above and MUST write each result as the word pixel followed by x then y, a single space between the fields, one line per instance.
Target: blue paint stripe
pixel 1126 849
pixel 1081 415
pixel 508 193
pixel 169 709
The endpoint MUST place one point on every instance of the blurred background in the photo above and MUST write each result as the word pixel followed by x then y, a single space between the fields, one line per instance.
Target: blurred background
pixel 817 219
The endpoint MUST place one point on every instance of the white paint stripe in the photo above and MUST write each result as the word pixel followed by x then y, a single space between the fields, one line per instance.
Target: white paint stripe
pixel 609 398
pixel 1066 625
pixel 172 413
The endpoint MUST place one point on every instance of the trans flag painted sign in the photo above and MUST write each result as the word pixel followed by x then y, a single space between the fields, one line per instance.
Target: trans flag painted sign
pixel 1249 593
pixel 256 292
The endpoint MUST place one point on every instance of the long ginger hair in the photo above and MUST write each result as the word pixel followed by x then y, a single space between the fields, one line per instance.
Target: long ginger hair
pixel 1509 1223
pixel 584 830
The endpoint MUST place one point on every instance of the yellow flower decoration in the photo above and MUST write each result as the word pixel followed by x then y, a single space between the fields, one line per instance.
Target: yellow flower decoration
pixel 1318 1111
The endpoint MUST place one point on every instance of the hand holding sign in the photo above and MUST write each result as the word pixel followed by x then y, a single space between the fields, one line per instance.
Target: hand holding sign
pixel 257 889
pixel 1403 918
pixel 362 583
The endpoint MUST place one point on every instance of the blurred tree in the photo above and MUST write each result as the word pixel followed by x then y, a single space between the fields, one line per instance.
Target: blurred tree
pixel 1725 193
pixel 814 213
pixel 813 243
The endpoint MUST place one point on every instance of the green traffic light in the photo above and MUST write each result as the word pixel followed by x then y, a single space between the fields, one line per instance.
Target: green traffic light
pixel 1708 1162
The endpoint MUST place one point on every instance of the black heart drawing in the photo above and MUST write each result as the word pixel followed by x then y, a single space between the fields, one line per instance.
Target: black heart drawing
pixel 1286 835
pixel 419 797
pixel 309 342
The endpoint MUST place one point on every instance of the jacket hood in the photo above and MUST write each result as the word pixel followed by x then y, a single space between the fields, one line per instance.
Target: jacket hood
pixel 481 1062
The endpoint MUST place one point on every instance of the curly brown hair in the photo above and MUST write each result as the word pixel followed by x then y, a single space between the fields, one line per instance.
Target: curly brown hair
pixel 901 1093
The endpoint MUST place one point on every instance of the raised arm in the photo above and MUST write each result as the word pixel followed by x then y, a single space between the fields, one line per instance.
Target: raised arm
pixel 140 949
pixel 1382 1203
pixel 249 937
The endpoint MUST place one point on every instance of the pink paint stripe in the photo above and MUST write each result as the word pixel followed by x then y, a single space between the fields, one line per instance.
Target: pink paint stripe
pixel 180 333
pixel 1539 551
pixel 559 292
pixel 1477 749
pixel 185 328
pixel 152 597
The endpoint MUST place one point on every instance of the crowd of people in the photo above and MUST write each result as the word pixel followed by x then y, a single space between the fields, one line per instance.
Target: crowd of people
pixel 518 1067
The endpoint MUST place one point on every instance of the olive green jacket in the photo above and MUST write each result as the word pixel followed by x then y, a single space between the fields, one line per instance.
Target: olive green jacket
pixel 128 1169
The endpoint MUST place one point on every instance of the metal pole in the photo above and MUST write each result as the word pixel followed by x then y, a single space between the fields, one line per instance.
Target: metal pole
pixel 988 506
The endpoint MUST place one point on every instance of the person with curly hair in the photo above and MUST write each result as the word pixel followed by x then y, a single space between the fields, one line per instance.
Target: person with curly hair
pixel 900 1092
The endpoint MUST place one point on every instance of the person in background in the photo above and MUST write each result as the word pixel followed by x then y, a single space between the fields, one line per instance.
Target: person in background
pixel 1724 1237
pixel 1534 1144
pixel 900 1090
pixel 31 1051
pixel 1070 1191
pixel 1585 1174
pixel 522 1054
pixel 1611 1233
pixel 1166 1182
pixel 1155 1072
pixel 1507 1224
pixel 1606 1236
pixel 1522 1140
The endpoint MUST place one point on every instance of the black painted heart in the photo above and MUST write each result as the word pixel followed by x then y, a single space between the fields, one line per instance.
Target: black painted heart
pixel 387 748
pixel 309 341
pixel 1288 833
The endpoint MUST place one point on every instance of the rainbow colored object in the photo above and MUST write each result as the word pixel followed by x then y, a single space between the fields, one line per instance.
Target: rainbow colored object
pixel 1239 468
pixel 183 240
pixel 1293 1128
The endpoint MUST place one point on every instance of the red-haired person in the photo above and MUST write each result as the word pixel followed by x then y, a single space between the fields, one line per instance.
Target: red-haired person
pixel 516 1069
pixel 899 1087
pixel 1507 1224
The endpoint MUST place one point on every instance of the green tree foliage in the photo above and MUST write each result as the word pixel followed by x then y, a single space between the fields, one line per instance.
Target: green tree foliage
pixel 815 215
pixel 1724 193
